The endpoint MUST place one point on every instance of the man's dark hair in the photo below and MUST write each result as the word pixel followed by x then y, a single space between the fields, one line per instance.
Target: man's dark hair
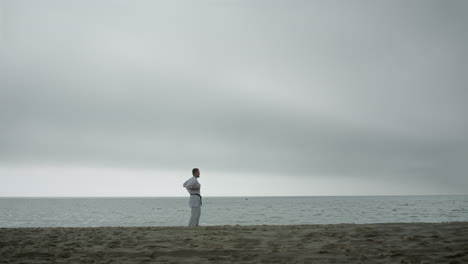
pixel 194 170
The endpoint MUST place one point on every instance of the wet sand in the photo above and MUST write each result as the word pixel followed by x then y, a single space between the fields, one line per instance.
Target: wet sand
pixel 343 243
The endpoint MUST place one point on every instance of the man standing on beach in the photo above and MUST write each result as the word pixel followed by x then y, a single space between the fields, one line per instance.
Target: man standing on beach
pixel 193 187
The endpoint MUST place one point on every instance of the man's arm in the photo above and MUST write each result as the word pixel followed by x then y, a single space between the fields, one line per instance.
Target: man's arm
pixel 193 185
pixel 196 186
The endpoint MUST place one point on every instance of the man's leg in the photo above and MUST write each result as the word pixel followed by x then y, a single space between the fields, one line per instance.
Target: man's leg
pixel 199 214
pixel 195 216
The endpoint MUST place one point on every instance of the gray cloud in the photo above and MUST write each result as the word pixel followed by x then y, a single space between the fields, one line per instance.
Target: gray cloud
pixel 355 89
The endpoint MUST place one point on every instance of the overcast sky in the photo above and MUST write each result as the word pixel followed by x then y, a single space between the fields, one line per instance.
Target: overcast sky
pixel 124 98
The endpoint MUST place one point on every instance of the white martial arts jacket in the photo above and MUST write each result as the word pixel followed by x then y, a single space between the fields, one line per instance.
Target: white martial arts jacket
pixel 195 200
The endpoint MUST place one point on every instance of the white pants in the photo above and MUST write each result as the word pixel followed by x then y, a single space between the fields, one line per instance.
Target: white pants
pixel 195 217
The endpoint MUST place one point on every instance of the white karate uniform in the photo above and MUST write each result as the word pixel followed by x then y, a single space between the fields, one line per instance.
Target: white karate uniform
pixel 194 201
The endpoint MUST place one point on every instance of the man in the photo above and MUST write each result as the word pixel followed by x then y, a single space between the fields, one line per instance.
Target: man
pixel 193 187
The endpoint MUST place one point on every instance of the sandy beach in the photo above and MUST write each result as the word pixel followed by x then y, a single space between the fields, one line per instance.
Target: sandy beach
pixel 343 243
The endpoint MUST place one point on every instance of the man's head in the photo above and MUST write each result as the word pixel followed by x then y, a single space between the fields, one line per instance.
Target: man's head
pixel 196 172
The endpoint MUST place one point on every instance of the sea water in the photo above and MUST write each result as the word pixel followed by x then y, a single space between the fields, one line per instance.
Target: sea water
pixel 92 212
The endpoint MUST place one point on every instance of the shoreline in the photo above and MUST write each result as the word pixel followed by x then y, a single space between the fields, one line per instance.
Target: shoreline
pixel 445 242
pixel 236 225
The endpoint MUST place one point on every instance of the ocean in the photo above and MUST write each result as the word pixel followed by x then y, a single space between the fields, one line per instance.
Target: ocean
pixel 174 211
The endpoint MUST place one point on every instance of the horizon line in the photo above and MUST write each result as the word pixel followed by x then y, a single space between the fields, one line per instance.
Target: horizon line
pixel 237 196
